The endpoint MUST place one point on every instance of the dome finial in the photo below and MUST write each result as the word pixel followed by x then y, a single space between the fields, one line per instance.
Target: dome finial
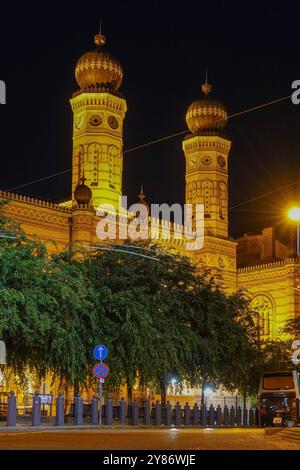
pixel 99 39
pixel 142 195
pixel 83 178
pixel 206 114
pixel 142 201
pixel 206 87
pixel 82 193
pixel 98 68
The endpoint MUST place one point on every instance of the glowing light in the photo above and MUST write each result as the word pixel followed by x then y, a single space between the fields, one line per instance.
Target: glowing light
pixel 294 214
pixel 208 391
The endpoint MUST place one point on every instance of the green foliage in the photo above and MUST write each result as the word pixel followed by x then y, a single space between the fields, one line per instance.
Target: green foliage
pixel 158 317
pixel 46 310
pixel 165 318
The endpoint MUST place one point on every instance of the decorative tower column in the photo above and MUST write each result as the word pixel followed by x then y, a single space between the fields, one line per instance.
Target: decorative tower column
pixel 83 214
pixel 206 152
pixel 99 111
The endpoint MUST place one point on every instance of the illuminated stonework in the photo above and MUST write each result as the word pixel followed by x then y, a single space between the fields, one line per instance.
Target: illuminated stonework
pixel 263 306
pixel 206 154
pixel 271 277
pixel 98 67
pixel 206 113
pixel 98 144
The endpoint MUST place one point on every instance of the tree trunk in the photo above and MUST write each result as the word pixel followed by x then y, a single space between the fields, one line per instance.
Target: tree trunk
pixel 129 392
pixel 202 393
pixel 163 391
pixel 244 399
pixel 76 387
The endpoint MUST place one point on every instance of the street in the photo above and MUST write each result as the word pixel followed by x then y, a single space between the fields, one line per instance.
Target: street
pixel 147 439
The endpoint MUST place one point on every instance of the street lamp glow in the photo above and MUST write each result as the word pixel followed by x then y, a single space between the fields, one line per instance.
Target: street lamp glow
pixel 294 214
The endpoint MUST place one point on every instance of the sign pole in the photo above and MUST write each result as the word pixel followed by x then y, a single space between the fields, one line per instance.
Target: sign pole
pixel 100 402
pixel 100 371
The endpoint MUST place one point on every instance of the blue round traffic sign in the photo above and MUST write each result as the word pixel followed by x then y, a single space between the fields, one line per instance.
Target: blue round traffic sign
pixel 101 370
pixel 100 352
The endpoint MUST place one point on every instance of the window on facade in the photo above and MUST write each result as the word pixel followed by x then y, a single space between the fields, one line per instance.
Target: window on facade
pixel 207 193
pixel 262 305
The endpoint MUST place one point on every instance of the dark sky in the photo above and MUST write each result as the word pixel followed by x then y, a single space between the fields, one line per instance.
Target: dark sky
pixel 252 52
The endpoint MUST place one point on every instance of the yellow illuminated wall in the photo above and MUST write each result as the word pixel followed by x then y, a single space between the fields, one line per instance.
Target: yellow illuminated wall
pixel 98 145
pixel 207 179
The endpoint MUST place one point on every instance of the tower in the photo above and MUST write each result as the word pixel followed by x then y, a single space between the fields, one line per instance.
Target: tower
pixel 206 152
pixel 99 111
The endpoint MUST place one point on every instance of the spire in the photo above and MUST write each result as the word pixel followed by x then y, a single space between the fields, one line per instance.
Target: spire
pixel 142 195
pixel 83 178
pixel 142 200
pixel 206 87
pixel 99 39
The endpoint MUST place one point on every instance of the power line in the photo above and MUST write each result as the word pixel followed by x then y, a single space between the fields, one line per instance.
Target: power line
pixel 152 142
pixel 156 141
pixel 39 180
pixel 260 106
pixel 256 211
pixel 102 248
pixel 8 236
pixel 264 195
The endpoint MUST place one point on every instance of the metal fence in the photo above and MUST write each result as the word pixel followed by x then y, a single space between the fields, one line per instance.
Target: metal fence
pixel 124 414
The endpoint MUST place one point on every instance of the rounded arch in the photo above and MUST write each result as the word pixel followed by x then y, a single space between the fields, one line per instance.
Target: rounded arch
pixel 93 159
pixel 78 163
pixel 263 304
pixel 207 193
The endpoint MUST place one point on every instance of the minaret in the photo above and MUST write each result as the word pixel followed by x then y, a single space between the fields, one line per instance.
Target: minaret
pixel 99 111
pixel 206 152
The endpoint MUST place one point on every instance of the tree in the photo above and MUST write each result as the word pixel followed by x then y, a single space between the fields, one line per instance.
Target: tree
pixel 157 312
pixel 23 318
pixel 46 309
pixel 164 317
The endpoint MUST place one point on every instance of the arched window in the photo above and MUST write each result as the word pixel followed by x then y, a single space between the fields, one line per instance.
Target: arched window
pixel 262 305
pixel 94 161
pixel 222 200
pixel 78 162
pixel 112 153
pixel 207 190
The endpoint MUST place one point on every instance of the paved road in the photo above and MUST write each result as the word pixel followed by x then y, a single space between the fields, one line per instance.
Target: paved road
pixel 148 439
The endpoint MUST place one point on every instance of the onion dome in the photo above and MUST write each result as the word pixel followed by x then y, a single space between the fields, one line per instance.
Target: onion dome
pixel 206 113
pixel 82 193
pixel 98 68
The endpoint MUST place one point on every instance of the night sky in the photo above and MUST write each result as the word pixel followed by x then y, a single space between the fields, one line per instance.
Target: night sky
pixel 251 51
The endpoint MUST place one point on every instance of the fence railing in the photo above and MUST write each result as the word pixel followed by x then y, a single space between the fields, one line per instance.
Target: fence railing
pixel 129 414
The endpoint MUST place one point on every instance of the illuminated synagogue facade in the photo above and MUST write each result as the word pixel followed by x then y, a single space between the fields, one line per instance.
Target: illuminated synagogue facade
pixel 260 263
